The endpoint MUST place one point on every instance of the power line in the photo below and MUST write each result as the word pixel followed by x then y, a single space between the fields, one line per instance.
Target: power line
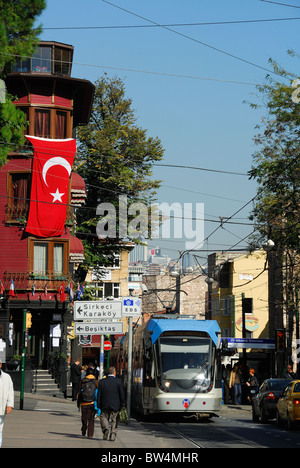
pixel 201 169
pixel 194 40
pixel 147 72
pixel 281 4
pixel 146 26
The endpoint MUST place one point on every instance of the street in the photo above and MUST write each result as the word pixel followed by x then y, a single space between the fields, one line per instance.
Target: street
pixel 55 423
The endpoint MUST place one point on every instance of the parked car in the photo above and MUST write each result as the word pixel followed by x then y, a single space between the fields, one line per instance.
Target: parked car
pixel 288 406
pixel 265 401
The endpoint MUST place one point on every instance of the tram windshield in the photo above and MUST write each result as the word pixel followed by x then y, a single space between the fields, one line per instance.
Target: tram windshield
pixel 185 359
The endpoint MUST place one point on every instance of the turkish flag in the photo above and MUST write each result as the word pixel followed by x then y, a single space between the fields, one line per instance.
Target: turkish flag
pixel 52 165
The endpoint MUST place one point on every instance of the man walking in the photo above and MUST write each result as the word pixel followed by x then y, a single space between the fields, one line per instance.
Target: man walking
pixel 111 398
pixel 86 400
pixel 75 378
pixel 6 398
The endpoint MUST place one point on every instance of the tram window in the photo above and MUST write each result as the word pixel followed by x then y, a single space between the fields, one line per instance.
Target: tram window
pixel 184 353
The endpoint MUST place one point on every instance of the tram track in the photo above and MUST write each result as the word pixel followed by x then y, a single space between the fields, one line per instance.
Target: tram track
pixel 184 436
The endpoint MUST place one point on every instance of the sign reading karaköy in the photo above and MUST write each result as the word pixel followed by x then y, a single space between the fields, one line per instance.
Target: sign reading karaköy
pixel 98 328
pixel 131 306
pixel 101 310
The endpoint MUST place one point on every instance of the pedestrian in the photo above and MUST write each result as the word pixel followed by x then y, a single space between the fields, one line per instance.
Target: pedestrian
pixel 236 383
pixel 252 385
pixel 83 371
pixel 289 374
pixel 111 398
pixel 75 378
pixel 226 378
pixel 86 402
pixel 6 397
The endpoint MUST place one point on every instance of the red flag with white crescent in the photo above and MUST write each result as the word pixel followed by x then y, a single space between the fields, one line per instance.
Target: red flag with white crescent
pixel 52 165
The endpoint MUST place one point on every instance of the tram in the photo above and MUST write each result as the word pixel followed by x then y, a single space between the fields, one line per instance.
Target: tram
pixel 176 366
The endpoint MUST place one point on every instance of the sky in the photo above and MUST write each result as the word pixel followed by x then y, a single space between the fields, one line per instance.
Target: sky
pixel 189 84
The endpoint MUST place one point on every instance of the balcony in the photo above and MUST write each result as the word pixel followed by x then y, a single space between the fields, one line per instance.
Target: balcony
pixel 44 283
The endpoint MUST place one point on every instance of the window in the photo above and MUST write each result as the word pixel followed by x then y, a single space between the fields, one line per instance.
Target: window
pixel 62 61
pixel 18 190
pixel 105 290
pixel 50 58
pixel 42 123
pixel 40 258
pixel 48 257
pixel 41 61
pixel 61 124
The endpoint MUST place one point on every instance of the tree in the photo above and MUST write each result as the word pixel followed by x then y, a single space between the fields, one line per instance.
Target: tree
pixel 18 36
pixel 115 159
pixel 277 171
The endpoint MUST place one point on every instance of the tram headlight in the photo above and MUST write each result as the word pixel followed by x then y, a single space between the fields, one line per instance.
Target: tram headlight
pixel 167 383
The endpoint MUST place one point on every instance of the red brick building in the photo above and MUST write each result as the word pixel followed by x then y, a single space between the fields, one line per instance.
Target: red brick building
pixel 54 104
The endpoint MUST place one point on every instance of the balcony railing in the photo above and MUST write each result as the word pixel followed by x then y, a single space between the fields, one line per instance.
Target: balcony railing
pixel 24 281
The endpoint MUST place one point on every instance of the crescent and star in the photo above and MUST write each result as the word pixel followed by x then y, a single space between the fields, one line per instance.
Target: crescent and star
pixel 57 161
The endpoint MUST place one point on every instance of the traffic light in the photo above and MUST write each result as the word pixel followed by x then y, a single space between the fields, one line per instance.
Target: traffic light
pixel 28 320
pixel 280 341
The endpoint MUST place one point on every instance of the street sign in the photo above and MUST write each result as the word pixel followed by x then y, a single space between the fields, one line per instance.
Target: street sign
pixel 98 328
pixel 97 310
pixel 254 343
pixel 107 345
pixel 131 306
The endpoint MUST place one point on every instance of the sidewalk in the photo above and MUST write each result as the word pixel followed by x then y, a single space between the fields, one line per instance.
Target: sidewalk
pixel 48 422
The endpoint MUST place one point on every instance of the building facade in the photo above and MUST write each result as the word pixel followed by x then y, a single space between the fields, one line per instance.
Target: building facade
pixel 36 270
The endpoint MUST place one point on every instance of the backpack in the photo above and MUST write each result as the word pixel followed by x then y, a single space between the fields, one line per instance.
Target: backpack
pixel 88 389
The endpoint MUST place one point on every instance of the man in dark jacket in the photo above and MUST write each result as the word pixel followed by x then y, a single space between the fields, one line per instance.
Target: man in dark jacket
pixel 75 378
pixel 111 398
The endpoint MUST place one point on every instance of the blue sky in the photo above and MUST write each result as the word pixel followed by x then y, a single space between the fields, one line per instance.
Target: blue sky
pixel 199 112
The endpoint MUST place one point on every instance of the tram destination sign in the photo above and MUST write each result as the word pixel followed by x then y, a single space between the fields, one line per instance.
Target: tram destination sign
pixel 98 328
pixel 97 310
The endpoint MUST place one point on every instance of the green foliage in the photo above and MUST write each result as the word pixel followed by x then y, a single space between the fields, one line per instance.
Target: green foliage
pixel 12 127
pixel 18 36
pixel 276 165
pixel 115 157
pixel 17 33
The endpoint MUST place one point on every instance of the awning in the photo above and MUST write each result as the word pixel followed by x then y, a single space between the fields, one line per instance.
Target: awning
pixel 76 250
pixel 78 190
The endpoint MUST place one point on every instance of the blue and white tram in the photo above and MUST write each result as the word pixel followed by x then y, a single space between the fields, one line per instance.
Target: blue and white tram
pixel 176 366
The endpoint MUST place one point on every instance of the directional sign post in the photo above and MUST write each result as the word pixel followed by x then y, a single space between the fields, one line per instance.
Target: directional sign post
pixel 97 310
pixel 98 328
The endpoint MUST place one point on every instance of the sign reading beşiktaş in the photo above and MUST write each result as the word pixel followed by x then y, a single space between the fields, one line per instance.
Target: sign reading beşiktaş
pixel 93 310
pixel 99 328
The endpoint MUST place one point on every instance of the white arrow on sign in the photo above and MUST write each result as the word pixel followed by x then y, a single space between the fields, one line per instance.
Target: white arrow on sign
pixel 104 310
pixel 98 328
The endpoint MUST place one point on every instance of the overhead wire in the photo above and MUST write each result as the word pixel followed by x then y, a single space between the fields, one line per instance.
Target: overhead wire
pixel 194 39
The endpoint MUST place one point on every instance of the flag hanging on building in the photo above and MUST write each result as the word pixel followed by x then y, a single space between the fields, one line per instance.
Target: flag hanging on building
pixel 12 288
pixel 79 292
pixel 52 165
pixel 70 291
pixel 61 291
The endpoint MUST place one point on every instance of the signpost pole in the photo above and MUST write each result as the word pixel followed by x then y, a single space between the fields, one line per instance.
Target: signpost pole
pixel 101 373
pixel 129 369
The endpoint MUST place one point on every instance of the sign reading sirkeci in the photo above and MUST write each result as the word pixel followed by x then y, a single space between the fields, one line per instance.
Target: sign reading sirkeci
pixel 97 310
